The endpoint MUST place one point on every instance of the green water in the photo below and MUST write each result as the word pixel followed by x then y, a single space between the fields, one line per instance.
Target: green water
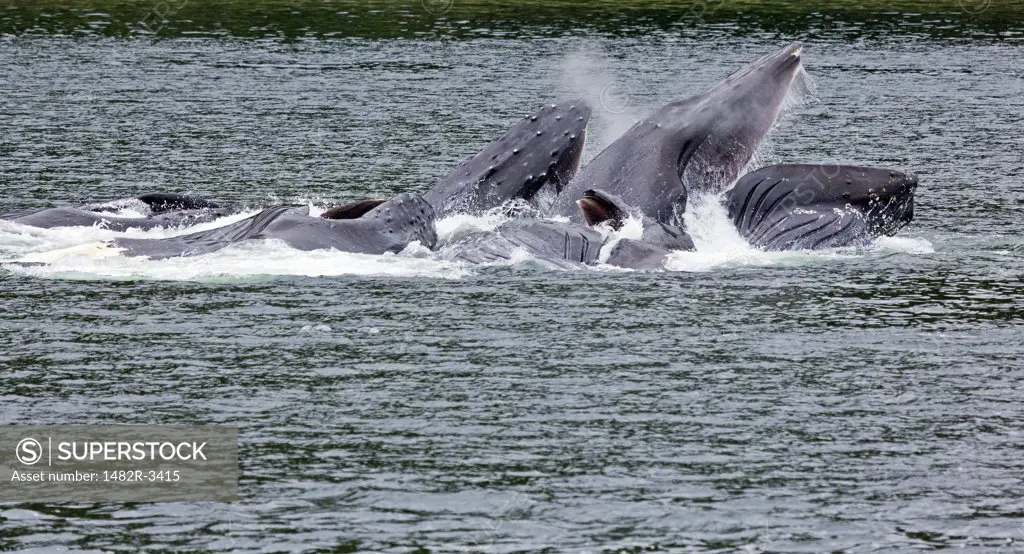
pixel 856 401
pixel 455 19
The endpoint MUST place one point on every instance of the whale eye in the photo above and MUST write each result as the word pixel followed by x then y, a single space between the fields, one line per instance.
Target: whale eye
pixel 846 196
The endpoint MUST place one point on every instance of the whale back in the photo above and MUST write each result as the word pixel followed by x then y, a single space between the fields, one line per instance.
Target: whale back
pixel 162 202
pixel 352 210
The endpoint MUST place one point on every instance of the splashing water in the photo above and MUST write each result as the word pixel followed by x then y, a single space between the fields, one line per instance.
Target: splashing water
pixel 632 228
pixel 610 94
pixel 455 227
pixel 719 245
pixel 85 253
pixel 237 262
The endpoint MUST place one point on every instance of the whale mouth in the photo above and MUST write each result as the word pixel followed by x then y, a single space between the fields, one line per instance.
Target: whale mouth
pixel 892 208
pixel 597 209
pixel 790 59
pixel 353 210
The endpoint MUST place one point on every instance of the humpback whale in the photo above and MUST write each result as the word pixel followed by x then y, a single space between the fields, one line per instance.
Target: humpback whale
pixel 805 206
pixel 163 210
pixel 541 152
pixel 697 144
pixel 367 227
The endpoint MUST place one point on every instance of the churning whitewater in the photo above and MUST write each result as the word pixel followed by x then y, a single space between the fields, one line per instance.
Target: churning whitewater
pixel 678 191
pixel 84 252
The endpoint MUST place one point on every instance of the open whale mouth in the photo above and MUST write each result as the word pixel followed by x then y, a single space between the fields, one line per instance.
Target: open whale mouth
pixel 353 210
pixel 597 208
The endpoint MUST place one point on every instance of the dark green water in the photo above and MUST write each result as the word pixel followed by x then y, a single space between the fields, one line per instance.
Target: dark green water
pixel 853 401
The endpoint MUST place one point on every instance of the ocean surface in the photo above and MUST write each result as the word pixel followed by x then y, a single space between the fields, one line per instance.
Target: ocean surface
pixel 853 400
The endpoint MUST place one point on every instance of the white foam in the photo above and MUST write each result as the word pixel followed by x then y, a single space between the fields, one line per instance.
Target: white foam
pixel 239 261
pixel 908 245
pixel 719 245
pixel 452 228
pixel 632 228
pixel 455 227
pixel 86 253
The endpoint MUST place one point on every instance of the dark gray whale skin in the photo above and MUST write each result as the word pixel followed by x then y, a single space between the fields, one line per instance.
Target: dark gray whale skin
pixel 165 210
pixel 541 152
pixel 564 245
pixel 806 206
pixel 647 252
pixel 570 245
pixel 697 144
pixel 389 227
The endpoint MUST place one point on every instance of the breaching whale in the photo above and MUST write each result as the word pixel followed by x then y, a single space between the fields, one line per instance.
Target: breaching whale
pixel 806 206
pixel 162 209
pixel 541 152
pixel 697 144
pixel 368 227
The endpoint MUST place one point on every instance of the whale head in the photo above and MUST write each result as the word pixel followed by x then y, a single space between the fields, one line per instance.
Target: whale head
pixel 719 130
pixel 697 144
pixel 397 222
pixel 884 196
pixel 540 152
